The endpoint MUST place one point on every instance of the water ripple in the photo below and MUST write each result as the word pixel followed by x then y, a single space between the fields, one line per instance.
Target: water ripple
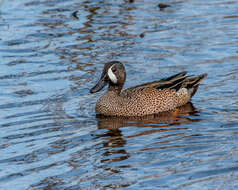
pixel 52 53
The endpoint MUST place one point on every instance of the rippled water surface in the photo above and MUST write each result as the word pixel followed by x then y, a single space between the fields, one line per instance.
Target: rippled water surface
pixel 52 53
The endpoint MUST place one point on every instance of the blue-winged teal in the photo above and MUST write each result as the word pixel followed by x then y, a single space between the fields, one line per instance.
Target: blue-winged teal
pixel 149 98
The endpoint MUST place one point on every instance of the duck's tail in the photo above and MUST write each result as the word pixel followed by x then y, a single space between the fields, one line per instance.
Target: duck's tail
pixel 192 83
pixel 180 80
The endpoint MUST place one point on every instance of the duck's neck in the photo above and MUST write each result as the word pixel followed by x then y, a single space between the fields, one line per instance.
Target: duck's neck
pixel 115 88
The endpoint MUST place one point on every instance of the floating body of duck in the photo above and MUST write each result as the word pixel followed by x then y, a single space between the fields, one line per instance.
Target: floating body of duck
pixel 149 98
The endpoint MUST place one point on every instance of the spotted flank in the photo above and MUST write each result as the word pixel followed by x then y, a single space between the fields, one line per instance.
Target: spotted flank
pixel 145 99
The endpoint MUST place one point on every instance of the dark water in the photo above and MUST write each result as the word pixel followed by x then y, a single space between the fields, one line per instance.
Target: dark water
pixel 51 54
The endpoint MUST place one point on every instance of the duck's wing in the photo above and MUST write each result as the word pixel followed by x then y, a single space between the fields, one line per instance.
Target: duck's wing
pixel 175 82
pixel 160 84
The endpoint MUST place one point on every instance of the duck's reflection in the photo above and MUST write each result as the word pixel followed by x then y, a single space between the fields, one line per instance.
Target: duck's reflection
pixel 115 143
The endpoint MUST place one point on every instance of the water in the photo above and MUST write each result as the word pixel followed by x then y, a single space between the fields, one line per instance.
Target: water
pixel 51 54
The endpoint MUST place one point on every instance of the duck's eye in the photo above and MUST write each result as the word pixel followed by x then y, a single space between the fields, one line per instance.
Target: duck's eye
pixel 114 69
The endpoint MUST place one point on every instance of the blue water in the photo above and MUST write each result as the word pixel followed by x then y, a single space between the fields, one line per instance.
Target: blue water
pixel 52 53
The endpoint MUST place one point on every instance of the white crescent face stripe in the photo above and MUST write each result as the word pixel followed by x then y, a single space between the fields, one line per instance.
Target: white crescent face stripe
pixel 112 76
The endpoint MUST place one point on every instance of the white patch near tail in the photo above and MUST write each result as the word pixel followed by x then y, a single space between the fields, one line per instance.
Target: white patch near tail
pixel 183 96
pixel 183 92
pixel 112 76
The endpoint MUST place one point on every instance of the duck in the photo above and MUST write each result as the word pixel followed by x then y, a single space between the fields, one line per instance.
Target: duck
pixel 162 95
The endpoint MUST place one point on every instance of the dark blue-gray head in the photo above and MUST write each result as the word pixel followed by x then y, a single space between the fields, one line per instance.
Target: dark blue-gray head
pixel 113 73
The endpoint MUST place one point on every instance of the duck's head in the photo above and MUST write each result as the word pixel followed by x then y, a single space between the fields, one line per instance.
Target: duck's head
pixel 113 73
